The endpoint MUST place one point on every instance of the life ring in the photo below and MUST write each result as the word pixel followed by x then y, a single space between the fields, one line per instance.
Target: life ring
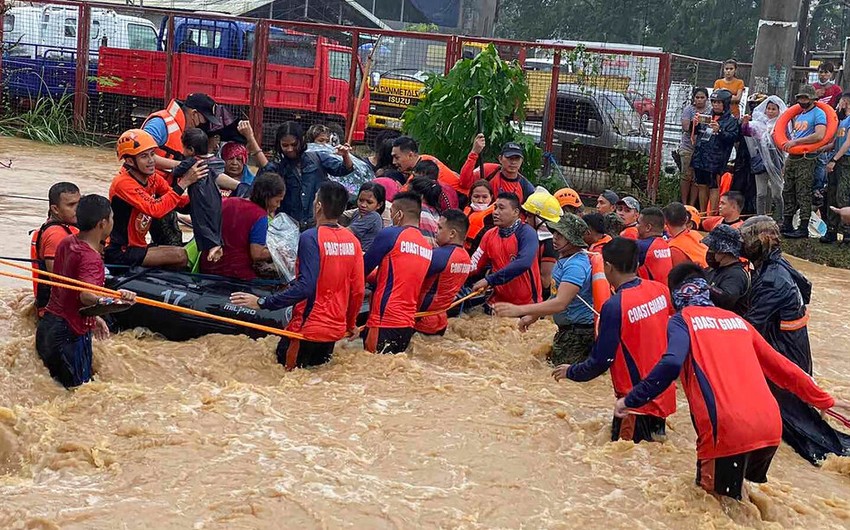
pixel 780 130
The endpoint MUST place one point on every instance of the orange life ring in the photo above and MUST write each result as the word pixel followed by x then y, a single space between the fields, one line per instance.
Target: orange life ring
pixel 780 130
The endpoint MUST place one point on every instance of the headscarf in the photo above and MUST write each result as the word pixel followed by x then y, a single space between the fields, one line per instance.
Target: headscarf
pixel 234 150
pixel 694 291
pixel 760 238
pixel 760 141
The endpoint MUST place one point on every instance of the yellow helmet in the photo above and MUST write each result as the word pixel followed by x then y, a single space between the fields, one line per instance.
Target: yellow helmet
pixel 542 204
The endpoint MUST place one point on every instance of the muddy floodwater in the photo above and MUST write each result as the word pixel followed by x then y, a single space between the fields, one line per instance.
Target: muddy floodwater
pixel 465 431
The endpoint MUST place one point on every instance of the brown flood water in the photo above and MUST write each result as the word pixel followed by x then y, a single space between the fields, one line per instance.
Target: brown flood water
pixel 465 431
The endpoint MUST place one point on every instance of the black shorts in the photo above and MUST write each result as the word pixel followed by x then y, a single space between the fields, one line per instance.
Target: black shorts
pixel 66 355
pixel 639 428
pixel 128 256
pixel 386 340
pixel 294 353
pixel 705 178
pixel 725 475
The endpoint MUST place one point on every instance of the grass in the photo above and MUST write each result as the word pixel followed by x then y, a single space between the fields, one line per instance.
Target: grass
pixel 810 249
pixel 49 120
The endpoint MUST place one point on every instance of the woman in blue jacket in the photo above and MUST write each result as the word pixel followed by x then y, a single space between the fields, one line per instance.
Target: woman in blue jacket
pixel 713 142
pixel 303 171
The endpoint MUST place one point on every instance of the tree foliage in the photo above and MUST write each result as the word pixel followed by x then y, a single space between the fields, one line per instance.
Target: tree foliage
pixel 444 122
pixel 716 29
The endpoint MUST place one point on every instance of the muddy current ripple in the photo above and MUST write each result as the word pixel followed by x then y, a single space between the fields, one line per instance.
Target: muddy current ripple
pixel 464 431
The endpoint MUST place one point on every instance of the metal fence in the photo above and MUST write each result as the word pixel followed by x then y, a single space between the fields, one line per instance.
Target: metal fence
pixel 605 117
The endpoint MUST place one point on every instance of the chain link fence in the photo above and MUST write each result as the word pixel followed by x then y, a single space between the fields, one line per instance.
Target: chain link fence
pixel 605 117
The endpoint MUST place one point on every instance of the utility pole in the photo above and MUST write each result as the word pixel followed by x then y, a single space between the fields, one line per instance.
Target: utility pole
pixel 776 43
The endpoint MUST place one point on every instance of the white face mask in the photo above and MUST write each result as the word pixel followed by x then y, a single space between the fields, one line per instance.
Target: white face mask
pixel 477 207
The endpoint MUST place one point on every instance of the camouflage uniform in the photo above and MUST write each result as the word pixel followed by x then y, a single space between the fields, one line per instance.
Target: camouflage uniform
pixel 797 193
pixel 573 341
pixel 572 344
pixel 166 232
pixel 838 193
pixel 613 224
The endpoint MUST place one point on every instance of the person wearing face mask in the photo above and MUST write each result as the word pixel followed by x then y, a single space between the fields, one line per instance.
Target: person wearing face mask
pixel 400 256
pixel 767 161
pixel 327 291
pixel 728 373
pixel 509 250
pixel 808 127
pixel 728 277
pixel 572 305
pixel 838 176
pixel 166 127
pixel 778 310
pixel 480 214
pixel 542 207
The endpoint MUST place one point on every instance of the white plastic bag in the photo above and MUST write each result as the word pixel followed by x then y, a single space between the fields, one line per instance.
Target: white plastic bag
pixel 817 227
pixel 282 242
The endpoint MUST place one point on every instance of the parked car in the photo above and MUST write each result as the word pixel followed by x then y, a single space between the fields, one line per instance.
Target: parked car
pixel 598 137
pixel 643 105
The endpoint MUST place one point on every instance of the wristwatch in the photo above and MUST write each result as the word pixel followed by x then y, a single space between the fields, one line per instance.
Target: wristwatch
pixel 261 301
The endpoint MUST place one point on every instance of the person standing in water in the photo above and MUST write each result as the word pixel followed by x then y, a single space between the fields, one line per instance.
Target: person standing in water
pixel 63 338
pixel 401 255
pixel 778 299
pixel 328 288
pixel 632 339
pixel 736 418
pixel 63 198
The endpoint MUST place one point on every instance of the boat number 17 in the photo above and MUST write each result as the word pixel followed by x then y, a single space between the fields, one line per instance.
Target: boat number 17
pixel 170 296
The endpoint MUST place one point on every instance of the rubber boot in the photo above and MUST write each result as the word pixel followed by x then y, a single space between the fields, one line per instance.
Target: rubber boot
pixel 801 232
pixel 829 238
pixel 787 227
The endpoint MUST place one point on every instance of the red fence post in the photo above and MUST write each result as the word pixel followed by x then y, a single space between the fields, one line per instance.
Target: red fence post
pixel 451 54
pixel 81 81
pixel 258 86
pixel 662 90
pixel 2 11
pixel 548 134
pixel 352 76
pixel 169 61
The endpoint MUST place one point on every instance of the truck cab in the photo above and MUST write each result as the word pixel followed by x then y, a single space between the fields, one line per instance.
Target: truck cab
pixel 40 45
pixel 598 138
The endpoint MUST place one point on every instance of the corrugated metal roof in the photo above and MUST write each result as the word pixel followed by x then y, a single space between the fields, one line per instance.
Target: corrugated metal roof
pixel 233 7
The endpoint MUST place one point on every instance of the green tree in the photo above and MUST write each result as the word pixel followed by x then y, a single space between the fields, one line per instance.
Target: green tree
pixel 444 122
pixel 716 29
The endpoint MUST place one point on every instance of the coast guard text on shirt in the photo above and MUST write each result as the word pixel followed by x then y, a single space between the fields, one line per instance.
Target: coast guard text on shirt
pixel 647 309
pixel 332 248
pixel 726 324
pixel 409 247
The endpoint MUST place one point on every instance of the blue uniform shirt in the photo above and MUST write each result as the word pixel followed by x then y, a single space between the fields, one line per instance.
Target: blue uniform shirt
pixel 804 124
pixel 577 271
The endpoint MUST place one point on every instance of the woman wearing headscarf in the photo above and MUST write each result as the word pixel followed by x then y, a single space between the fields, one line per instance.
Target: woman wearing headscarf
pixel 778 299
pixel 766 160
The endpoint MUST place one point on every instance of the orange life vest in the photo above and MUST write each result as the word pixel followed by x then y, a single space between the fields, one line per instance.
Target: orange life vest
pixel 175 124
pixel 690 243
pixel 476 223
pixel 599 286
pixel 40 291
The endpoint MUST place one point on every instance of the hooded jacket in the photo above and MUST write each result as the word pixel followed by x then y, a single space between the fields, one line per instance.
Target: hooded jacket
pixel 778 298
pixel 712 151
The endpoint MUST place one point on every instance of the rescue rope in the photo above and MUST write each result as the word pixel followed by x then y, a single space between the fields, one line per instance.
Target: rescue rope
pixel 77 285
pixel 842 419
pixel 13 196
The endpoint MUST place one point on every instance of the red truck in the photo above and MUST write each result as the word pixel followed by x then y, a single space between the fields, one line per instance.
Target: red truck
pixel 307 77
